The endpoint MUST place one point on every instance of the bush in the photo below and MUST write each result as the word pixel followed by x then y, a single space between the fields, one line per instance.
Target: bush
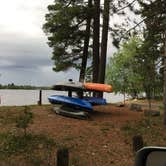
pixel 24 119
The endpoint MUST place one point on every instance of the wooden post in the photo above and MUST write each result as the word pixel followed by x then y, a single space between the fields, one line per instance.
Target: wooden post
pixel 62 157
pixel 40 97
pixel 137 143
pixel 69 93
pixel 164 93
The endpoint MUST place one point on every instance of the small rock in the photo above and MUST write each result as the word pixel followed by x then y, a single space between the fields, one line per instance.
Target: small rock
pixel 152 113
pixel 136 107
pixel 40 146
pixel 120 105
pixel 93 153
pixel 51 115
pixel 105 146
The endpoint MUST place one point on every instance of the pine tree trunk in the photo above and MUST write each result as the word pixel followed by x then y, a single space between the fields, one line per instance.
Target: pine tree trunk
pixel 150 104
pixel 104 42
pixel 124 98
pixel 164 94
pixel 86 45
pixel 96 40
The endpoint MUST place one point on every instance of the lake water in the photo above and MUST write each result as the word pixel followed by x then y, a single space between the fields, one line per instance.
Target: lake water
pixel 31 97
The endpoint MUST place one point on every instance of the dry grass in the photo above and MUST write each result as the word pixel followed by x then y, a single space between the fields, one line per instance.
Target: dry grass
pixel 105 139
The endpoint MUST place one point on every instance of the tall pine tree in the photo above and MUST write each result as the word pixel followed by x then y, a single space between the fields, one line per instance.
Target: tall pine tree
pixel 66 30
pixel 154 15
pixel 86 42
pixel 96 40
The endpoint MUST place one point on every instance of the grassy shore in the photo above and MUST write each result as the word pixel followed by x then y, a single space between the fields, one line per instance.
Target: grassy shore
pixel 104 139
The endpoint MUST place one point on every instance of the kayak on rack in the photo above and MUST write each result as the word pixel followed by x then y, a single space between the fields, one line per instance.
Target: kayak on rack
pixel 71 101
pixel 66 86
pixel 78 107
pixel 98 87
pixel 71 112
pixel 96 100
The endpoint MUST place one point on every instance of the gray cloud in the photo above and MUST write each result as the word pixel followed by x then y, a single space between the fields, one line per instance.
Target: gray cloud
pixel 43 77
pixel 25 57
pixel 27 60
pixel 18 51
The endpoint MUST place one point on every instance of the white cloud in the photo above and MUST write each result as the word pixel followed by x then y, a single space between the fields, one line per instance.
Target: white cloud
pixel 23 17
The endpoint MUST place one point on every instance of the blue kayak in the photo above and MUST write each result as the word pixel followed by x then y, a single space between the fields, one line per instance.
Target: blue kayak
pixel 96 100
pixel 76 102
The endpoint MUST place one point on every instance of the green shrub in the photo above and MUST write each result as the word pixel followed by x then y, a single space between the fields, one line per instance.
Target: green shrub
pixel 24 119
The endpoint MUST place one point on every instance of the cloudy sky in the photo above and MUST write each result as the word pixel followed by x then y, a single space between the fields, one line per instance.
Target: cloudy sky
pixel 25 57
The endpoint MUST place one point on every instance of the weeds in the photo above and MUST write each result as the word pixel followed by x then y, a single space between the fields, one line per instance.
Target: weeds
pixel 28 148
pixel 75 161
pixel 145 126
pixel 11 144
pixel 33 147
pixel 24 119
pixel 108 124
pixel 104 130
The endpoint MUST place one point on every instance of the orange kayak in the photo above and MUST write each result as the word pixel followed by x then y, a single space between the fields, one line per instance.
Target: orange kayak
pixel 98 87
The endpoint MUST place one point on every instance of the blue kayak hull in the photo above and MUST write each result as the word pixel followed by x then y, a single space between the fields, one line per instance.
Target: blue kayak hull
pixel 72 114
pixel 76 102
pixel 96 101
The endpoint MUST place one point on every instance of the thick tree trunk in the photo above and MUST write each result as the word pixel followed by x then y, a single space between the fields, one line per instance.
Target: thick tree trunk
pixel 104 43
pixel 164 94
pixel 96 40
pixel 86 45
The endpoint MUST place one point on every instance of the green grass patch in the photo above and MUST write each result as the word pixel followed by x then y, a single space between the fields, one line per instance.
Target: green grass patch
pixel 8 115
pixel 161 108
pixel 69 138
pixel 104 130
pixel 147 126
pixel 75 161
pixel 12 144
pixel 17 146
pixel 34 149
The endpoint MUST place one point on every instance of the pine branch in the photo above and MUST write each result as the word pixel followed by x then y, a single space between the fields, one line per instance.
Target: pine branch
pixel 136 25
pixel 118 10
pixel 68 4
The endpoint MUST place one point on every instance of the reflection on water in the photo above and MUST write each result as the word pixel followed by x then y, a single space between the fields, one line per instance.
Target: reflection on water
pixel 31 97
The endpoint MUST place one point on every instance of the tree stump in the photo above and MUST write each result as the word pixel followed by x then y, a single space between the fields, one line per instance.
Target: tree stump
pixel 62 157
pixel 137 143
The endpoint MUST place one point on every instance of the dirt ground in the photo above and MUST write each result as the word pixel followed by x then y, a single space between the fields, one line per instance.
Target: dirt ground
pixel 103 140
pixel 95 142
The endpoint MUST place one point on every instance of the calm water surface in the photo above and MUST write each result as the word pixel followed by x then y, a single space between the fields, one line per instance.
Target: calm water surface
pixel 31 97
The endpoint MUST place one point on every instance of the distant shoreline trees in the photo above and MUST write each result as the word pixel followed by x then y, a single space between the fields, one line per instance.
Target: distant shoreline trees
pixel 26 87
pixel 133 72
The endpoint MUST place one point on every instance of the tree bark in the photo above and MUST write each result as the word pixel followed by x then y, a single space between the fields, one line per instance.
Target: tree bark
pixel 96 40
pixel 104 42
pixel 86 45
pixel 164 94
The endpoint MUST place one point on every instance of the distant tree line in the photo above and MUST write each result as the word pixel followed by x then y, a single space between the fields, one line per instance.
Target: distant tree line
pixel 28 87
pixel 133 72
